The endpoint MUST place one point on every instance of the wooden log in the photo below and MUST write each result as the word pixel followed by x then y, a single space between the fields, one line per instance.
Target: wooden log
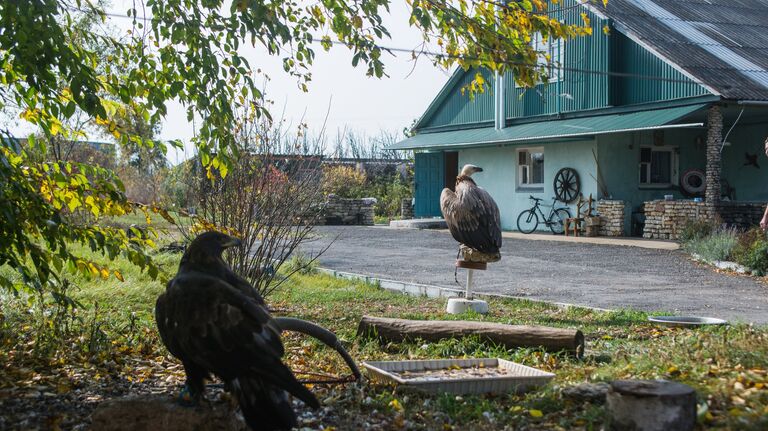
pixel 510 336
pixel 650 405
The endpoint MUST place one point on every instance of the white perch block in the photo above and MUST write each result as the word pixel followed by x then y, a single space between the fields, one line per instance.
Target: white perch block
pixel 461 305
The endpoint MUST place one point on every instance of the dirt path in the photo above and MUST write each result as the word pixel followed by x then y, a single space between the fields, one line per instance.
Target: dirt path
pixel 583 274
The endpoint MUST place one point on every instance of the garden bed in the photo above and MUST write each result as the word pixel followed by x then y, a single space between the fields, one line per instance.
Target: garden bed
pixel 728 249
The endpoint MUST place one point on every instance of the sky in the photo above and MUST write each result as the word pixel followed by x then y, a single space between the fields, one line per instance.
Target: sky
pixel 338 90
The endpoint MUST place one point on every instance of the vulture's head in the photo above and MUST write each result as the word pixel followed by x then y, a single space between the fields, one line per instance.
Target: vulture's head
pixel 468 170
pixel 208 247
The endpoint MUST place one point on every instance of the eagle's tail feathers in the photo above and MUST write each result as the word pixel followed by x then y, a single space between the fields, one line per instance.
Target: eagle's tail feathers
pixel 264 406
pixel 281 376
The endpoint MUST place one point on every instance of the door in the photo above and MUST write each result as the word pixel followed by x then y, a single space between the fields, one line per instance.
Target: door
pixel 429 182
pixel 451 169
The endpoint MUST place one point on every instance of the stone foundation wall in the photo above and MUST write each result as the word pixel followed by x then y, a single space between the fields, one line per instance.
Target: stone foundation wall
pixel 342 211
pixel 611 217
pixel 741 214
pixel 666 219
pixel 406 208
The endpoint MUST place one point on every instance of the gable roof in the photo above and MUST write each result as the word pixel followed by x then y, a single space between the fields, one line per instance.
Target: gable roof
pixel 451 87
pixel 721 43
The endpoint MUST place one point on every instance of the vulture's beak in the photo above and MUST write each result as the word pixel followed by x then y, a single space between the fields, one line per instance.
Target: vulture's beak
pixel 478 169
pixel 232 242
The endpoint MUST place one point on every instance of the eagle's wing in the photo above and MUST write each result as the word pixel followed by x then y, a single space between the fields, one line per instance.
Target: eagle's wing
pixel 472 217
pixel 206 321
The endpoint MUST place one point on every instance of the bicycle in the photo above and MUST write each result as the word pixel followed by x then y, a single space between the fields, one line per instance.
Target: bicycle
pixel 528 220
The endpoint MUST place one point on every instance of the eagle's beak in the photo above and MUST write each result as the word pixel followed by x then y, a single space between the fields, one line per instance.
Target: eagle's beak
pixel 232 242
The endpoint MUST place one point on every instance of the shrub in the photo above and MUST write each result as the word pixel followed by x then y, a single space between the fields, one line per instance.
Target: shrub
pixel 344 181
pixel 746 242
pixel 696 229
pixel 752 251
pixel 757 257
pixel 719 245
pixel 302 264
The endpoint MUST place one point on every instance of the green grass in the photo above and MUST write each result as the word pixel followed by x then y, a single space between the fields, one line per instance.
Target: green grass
pixel 726 365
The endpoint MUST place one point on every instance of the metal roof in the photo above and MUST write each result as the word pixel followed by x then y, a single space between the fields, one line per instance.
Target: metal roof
pixel 723 44
pixel 553 130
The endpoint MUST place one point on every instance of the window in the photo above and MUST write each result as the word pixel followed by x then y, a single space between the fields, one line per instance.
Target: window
pixel 530 167
pixel 550 53
pixel 658 166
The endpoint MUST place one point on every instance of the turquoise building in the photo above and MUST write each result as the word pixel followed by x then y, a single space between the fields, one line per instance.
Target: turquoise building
pixel 672 100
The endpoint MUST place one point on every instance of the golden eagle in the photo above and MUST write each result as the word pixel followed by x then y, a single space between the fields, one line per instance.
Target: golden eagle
pixel 471 213
pixel 215 327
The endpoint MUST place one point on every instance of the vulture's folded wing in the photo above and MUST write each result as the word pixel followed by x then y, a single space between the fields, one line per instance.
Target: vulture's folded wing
pixel 206 320
pixel 472 218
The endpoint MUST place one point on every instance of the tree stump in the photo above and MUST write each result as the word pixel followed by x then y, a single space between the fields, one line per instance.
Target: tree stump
pixel 651 405
pixel 161 412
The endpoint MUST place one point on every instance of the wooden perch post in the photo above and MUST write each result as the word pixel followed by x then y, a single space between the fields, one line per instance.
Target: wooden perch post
pixel 510 336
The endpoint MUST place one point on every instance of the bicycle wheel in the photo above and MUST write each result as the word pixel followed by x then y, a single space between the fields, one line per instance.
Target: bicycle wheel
pixel 557 220
pixel 527 221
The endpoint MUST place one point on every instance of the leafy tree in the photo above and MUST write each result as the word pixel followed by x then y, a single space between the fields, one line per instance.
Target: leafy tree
pixel 190 51
pixel 144 154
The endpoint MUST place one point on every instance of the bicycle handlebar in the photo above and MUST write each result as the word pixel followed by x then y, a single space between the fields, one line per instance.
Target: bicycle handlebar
pixel 536 199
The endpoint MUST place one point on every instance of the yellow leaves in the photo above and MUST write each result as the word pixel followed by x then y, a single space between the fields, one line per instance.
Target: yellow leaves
pixel 119 276
pixel 94 270
pixel 606 29
pixel 479 79
pixel 55 128
pixel 605 3
pixel 395 404
pixel 585 19
pixel 31 115
pixel 535 413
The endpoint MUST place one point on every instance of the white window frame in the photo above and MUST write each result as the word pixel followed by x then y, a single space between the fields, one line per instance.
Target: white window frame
pixel 674 161
pixel 528 167
pixel 555 52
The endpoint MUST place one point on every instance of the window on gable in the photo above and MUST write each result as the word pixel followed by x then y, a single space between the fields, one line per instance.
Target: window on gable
pixel 658 166
pixel 550 53
pixel 530 167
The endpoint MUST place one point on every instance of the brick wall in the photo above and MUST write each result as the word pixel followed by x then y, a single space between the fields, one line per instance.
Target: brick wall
pixel 343 211
pixel 406 208
pixel 666 219
pixel 611 217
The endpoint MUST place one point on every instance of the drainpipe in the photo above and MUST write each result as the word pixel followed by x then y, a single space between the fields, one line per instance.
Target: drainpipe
pixel 501 118
pixel 559 79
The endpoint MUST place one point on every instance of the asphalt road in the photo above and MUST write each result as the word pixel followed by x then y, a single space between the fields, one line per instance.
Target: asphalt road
pixel 602 276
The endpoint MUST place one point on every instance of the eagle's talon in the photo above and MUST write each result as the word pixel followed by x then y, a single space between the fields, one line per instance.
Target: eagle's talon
pixel 186 399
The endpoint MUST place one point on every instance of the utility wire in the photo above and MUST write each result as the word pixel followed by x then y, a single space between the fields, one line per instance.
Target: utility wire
pixel 442 55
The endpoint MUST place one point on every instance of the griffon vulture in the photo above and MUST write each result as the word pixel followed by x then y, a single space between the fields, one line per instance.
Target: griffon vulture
pixel 216 328
pixel 471 213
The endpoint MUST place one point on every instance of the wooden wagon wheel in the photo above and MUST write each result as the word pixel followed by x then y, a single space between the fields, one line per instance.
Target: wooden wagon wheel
pixel 567 185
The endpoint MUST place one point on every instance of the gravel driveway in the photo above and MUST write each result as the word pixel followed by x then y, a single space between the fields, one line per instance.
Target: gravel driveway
pixel 584 274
